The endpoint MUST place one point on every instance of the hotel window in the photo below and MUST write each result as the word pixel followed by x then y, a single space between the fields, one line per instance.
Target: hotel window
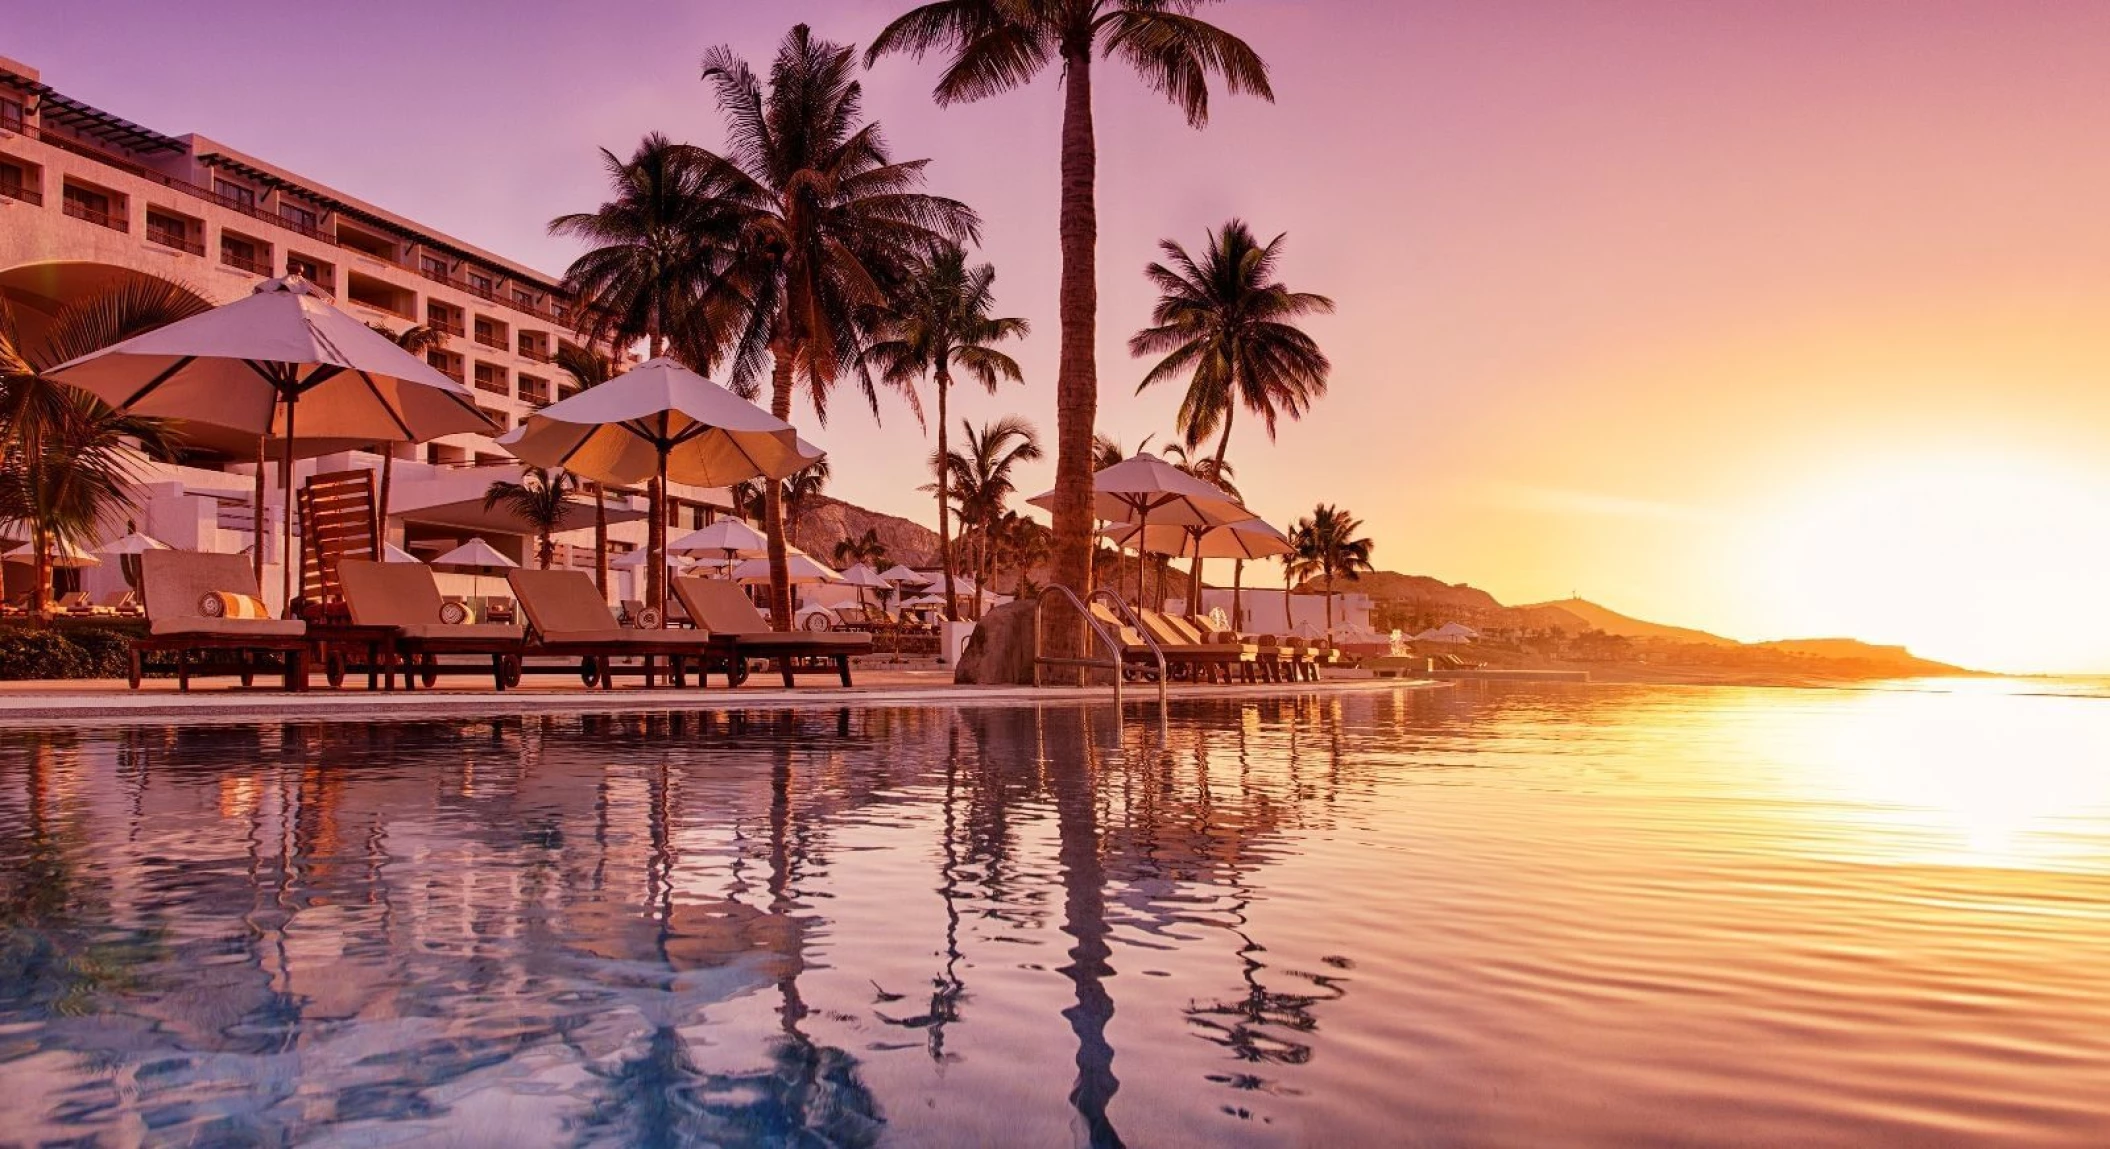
pixel 433 267
pixel 245 254
pixel 480 282
pixel 94 206
pixel 10 115
pixel 525 299
pixel 170 230
pixel 491 377
pixel 533 390
pixel 298 216
pixel 233 192
pixel 16 184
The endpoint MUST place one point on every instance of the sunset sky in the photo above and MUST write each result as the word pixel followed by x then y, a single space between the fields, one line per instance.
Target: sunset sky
pixel 1777 319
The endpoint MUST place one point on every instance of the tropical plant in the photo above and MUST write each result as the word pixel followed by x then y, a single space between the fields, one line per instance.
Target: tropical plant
pixel 997 45
pixel 590 369
pixel 982 481
pixel 1328 546
pixel 867 548
pixel 68 461
pixel 541 498
pixel 644 274
pixel 1229 328
pixel 827 225
pixel 938 322
pixel 798 491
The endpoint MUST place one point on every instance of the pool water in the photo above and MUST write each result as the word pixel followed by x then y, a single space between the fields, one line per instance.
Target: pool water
pixel 1474 916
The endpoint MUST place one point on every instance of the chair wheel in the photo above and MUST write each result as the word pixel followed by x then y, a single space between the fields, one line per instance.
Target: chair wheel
pixel 512 670
pixel 133 671
pixel 589 672
pixel 333 668
pixel 430 668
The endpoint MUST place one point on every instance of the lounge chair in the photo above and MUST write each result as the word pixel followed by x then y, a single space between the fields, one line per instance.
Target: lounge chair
pixel 406 597
pixel 569 619
pixel 1228 660
pixel 1274 660
pixel 175 584
pixel 123 603
pixel 739 632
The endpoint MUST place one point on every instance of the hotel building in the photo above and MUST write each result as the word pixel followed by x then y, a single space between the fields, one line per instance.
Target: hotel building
pixel 87 198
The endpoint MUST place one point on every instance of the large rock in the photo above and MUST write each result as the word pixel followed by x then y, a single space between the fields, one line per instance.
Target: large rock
pixel 1000 651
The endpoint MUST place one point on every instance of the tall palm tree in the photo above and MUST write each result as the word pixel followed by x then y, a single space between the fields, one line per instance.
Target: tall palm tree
pixel 1299 564
pixel 643 275
pixel 796 492
pixel 1329 546
pixel 591 369
pixel 940 321
pixel 540 499
pixel 67 460
pixel 1225 324
pixel 828 223
pixel 983 482
pixel 997 45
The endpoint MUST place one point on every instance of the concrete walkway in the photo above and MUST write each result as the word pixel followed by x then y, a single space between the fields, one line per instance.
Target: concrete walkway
pixel 25 704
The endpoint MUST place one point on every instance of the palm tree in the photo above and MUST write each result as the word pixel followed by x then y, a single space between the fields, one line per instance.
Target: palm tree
pixel 1229 328
pixel 827 224
pixel 983 483
pixel 67 460
pixel 799 490
pixel 867 548
pixel 938 321
pixel 644 274
pixel 1209 470
pixel 997 45
pixel 541 498
pixel 591 369
pixel 1299 564
pixel 1328 546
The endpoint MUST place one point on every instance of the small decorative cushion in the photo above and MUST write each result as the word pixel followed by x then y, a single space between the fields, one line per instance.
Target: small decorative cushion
pixel 454 613
pixel 231 604
pixel 647 619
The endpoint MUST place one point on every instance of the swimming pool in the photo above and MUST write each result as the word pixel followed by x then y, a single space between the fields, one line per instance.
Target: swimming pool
pixel 1547 915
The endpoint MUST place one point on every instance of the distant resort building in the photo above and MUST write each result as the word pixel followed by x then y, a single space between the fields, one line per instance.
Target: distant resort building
pixel 87 197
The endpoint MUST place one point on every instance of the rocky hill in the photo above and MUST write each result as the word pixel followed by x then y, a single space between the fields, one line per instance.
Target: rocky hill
pixel 1610 621
pixel 828 521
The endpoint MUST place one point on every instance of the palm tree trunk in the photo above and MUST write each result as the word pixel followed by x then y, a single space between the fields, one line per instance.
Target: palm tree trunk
pixel 773 495
pixel 1224 443
pixel 1288 579
pixel 600 539
pixel 40 570
pixel 1237 578
pixel 1077 376
pixel 944 509
pixel 1329 606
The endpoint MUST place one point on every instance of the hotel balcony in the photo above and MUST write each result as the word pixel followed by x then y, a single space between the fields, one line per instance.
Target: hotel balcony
pixel 97 216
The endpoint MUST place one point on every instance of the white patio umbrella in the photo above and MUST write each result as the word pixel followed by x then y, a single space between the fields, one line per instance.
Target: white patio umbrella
pixel 803 568
pixel 901 575
pixel 1251 539
pixel 127 548
pixel 275 363
pixel 479 556
pixel 1144 488
pixel 863 577
pixel 636 560
pixel 730 538
pixel 660 420
pixel 391 553
pixel 59 554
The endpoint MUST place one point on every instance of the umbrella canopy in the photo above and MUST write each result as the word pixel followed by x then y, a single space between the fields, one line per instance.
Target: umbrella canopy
pixel 728 537
pixel 804 568
pixel 863 575
pixel 1251 539
pixel 924 601
pixel 60 554
pixel 1145 488
pixel 619 432
pixel 248 364
pixel 391 553
pixel 660 420
pixel 131 543
pixel 274 364
pixel 900 575
pixel 475 553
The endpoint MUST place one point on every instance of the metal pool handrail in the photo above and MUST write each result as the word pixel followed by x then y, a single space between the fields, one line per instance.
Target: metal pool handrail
pixel 1056 591
pixel 1130 619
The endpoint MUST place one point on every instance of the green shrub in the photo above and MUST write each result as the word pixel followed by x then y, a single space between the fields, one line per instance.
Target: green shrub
pixel 63 652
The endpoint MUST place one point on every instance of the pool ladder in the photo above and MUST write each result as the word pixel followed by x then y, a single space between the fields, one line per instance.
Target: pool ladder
pixel 1056 592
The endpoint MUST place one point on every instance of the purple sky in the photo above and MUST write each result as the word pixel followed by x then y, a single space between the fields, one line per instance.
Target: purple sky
pixel 1615 279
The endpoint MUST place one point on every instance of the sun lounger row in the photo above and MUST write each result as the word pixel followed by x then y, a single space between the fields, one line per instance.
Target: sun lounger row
pixel 396 619
pixel 1195 652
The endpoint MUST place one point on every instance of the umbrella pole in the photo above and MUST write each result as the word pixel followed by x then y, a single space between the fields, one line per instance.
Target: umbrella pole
pixel 1143 559
pixel 659 524
pixel 1237 577
pixel 1194 577
pixel 256 522
pixel 285 470
pixel 388 472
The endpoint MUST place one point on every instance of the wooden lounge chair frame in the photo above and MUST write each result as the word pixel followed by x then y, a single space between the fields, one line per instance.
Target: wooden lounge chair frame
pixel 404 597
pixel 562 608
pixel 173 582
pixel 739 633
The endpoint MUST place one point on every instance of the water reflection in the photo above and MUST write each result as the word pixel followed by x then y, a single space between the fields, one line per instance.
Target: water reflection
pixel 1480 916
